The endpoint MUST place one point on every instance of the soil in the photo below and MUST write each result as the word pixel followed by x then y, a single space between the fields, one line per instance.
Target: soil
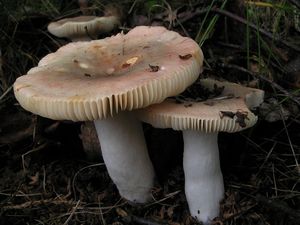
pixel 46 177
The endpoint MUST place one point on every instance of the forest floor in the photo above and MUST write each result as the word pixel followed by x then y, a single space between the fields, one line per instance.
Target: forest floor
pixel 45 176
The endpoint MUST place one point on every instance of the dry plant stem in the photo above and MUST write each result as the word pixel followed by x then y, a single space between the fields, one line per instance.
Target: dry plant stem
pixel 278 206
pixel 204 186
pixel 253 26
pixel 38 148
pixel 126 157
pixel 78 172
pixel 241 20
pixel 72 213
pixel 143 221
pixel 295 2
pixel 5 92
pixel 291 144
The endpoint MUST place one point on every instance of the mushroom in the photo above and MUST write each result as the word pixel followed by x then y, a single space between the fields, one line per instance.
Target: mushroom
pixel 101 81
pixel 200 123
pixel 85 28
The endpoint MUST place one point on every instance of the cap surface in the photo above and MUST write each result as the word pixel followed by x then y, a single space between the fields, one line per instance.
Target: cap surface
pixel 92 80
pixel 83 26
pixel 229 112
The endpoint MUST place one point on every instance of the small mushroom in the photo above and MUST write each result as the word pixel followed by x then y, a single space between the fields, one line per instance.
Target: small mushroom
pixel 119 81
pixel 200 124
pixel 85 28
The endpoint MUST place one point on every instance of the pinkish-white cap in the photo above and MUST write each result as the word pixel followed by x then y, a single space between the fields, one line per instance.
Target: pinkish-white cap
pixel 83 27
pixel 92 80
pixel 229 112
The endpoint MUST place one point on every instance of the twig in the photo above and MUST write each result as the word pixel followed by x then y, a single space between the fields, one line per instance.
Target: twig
pixel 44 178
pixel 241 20
pixel 31 151
pixel 274 180
pixel 266 158
pixel 239 213
pixel 101 215
pixel 72 213
pixel 106 208
pixel 163 199
pixel 291 145
pixel 278 206
pixel 253 26
pixel 295 2
pixel 139 220
pixel 75 176
pixel 6 92
pixel 20 195
pixel 59 201
pixel 189 16
pixel 30 204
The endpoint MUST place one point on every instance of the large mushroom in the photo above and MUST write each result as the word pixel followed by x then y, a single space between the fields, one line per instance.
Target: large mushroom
pixel 200 123
pixel 102 81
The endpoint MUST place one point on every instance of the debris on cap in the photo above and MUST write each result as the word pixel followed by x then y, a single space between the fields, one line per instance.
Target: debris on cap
pixel 229 112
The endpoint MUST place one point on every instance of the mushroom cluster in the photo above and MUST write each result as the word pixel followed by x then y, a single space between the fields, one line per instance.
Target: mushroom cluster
pixel 124 79
pixel 102 81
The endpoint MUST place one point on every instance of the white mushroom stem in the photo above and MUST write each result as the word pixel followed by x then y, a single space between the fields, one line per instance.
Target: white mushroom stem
pixel 125 155
pixel 204 186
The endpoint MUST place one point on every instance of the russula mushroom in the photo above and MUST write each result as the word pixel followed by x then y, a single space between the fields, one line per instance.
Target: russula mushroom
pixel 85 28
pixel 200 123
pixel 101 81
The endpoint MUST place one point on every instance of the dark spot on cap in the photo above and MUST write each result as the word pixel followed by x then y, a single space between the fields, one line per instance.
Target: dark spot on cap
pixel 185 57
pixel 153 68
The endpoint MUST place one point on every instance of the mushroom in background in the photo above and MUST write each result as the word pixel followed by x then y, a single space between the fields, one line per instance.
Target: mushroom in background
pixel 102 81
pixel 86 28
pixel 200 122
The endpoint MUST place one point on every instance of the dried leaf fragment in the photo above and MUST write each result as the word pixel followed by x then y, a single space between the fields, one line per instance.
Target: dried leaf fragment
pixel 185 57
pixel 218 90
pixel 241 116
pixel 227 114
pixel 125 65
pixel 153 68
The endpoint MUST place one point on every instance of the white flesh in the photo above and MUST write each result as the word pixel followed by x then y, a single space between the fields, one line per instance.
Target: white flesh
pixel 125 155
pixel 204 186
